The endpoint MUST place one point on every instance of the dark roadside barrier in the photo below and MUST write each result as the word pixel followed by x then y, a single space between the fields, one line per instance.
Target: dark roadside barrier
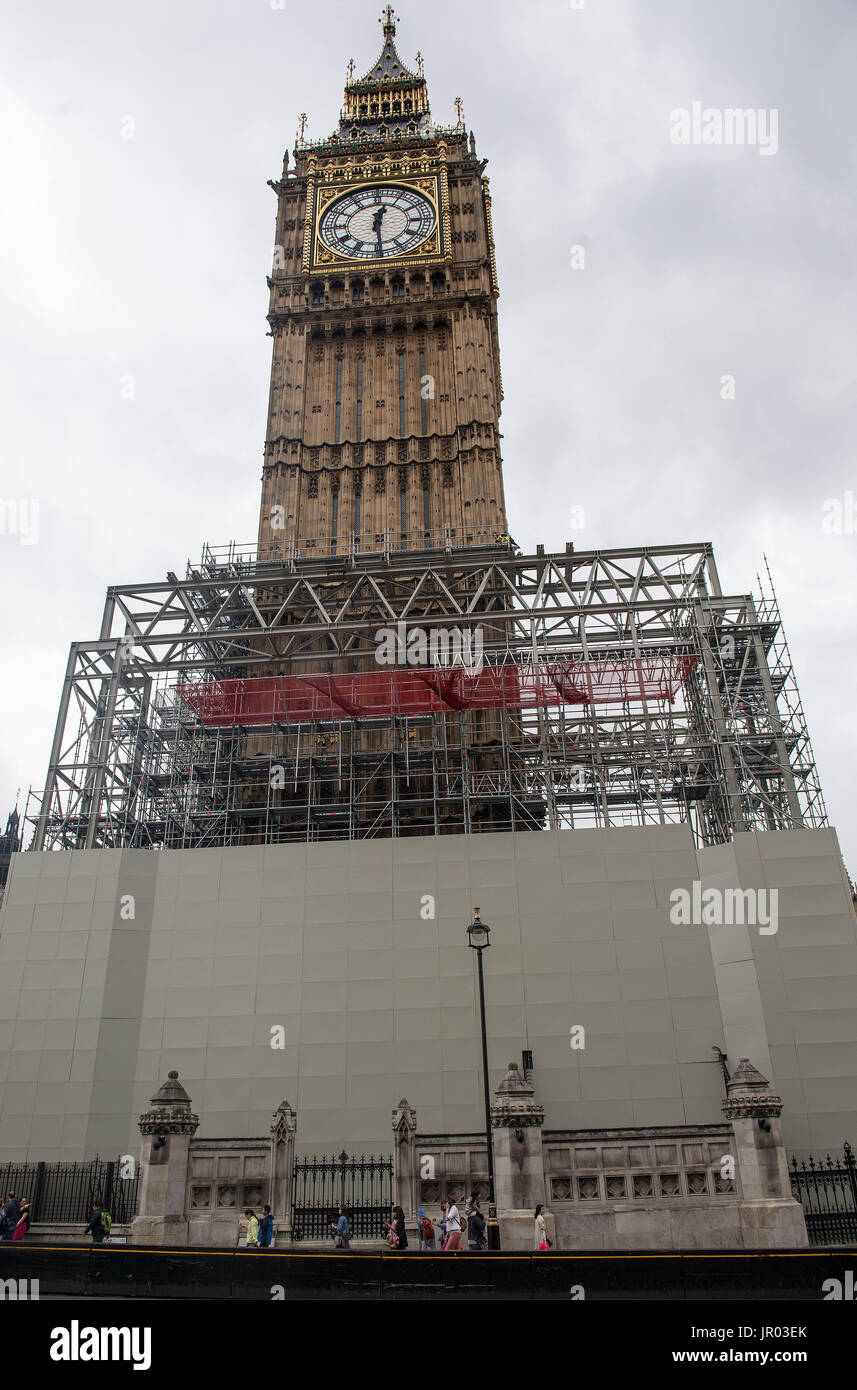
pixel 130 1272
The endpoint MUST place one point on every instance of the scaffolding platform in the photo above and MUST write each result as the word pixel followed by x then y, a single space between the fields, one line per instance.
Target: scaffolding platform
pixel 244 704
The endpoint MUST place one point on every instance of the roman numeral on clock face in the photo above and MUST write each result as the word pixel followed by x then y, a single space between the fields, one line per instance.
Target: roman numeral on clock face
pixel 377 222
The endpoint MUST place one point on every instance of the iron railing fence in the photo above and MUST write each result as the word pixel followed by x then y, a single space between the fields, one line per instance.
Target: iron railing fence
pixel 64 1192
pixel 362 1184
pixel 827 1191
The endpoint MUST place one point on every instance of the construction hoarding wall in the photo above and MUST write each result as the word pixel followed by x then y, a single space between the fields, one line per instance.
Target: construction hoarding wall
pixel 337 976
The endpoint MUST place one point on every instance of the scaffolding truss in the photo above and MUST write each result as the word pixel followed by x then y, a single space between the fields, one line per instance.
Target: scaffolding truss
pixel 151 749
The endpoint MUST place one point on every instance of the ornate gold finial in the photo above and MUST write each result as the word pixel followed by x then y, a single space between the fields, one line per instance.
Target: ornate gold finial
pixel 459 106
pixel 350 70
pixel 388 19
pixel 301 127
pixel 420 72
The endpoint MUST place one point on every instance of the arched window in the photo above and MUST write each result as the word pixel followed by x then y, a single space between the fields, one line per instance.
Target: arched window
pixel 317 292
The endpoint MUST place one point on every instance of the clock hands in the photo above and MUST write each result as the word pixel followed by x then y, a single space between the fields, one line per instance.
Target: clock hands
pixel 376 223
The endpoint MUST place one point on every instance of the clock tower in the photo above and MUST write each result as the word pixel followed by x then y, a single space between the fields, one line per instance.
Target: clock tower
pixel 383 415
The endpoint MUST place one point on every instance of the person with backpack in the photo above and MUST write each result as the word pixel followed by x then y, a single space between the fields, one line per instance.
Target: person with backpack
pixel 98 1225
pixel 266 1229
pixel 426 1230
pixel 10 1216
pixel 342 1231
pixel 23 1225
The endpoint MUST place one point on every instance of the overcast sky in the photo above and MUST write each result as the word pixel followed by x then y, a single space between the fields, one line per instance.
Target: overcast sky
pixel 143 260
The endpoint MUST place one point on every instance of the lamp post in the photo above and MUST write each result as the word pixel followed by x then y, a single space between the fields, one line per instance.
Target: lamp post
pixel 478 938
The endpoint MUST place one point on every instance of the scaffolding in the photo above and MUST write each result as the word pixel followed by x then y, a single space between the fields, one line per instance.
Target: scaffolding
pixel 151 749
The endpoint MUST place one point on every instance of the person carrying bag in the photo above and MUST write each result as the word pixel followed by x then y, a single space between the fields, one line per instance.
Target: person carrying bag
pixel 396 1235
pixel 341 1232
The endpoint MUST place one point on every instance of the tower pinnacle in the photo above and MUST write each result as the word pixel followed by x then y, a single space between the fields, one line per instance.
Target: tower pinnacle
pixel 390 98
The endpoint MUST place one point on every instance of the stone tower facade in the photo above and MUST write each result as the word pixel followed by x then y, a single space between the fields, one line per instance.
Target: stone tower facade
pixel 383 416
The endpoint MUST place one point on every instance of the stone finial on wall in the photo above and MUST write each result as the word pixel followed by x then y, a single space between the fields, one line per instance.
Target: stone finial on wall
pixel 515 1106
pixel 167 1128
pixel 170 1111
pixel 749 1096
pixel 281 1162
pixel 404 1118
pixel 519 1173
pixel 405 1160
pixel 768 1212
pixel 285 1120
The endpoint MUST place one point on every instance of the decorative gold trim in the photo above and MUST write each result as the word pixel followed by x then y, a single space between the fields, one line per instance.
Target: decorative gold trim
pixel 492 259
pixel 310 204
pixel 444 201
pixel 318 255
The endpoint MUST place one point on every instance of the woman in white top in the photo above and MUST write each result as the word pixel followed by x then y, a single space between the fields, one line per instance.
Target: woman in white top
pixel 541 1229
pixel 453 1226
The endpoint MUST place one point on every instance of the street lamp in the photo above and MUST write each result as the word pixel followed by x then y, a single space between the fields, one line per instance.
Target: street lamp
pixel 478 934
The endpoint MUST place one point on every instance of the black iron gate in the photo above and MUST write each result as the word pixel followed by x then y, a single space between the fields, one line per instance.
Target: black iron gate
pixel 363 1184
pixel 64 1192
pixel 827 1191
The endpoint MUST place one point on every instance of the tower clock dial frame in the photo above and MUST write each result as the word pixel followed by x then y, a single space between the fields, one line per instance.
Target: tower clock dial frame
pixel 380 221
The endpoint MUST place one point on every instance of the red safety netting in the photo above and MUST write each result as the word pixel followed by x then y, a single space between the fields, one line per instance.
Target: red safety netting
pixel 431 690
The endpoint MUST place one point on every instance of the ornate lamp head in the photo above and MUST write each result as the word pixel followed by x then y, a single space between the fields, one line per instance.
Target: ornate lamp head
pixel 478 932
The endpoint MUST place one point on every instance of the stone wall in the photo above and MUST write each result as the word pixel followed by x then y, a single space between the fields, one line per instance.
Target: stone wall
pixel 225 1176
pixel 327 942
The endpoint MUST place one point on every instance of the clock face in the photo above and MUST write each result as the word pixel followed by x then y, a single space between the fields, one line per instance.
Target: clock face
pixel 370 224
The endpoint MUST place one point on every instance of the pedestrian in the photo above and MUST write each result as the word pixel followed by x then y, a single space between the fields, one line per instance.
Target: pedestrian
pixel 397 1236
pixel 252 1230
pixel 342 1231
pixel 23 1225
pixel 266 1229
pixel 95 1225
pixel 426 1230
pixel 476 1229
pixel 441 1228
pixel 542 1242
pixel 453 1226
pixel 10 1216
